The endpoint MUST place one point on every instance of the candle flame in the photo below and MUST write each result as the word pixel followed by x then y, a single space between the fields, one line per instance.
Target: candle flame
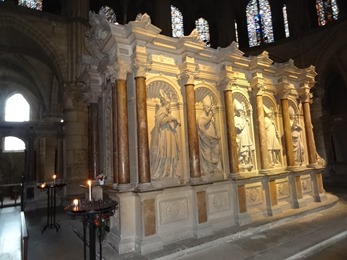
pixel 54 176
pixel 89 182
pixel 75 202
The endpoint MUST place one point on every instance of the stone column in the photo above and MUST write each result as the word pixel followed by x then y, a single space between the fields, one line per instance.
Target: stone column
pixel 287 131
pixel 114 134
pixel 231 130
pixel 264 158
pixel 305 97
pixel 120 131
pixel 93 149
pixel 123 136
pixel 142 125
pixel 193 139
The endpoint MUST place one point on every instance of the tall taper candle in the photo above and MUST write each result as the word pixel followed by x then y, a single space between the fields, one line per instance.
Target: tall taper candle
pixel 90 189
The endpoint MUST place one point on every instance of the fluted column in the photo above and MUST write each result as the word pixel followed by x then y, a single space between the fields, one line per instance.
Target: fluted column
pixel 193 140
pixel 142 124
pixel 231 130
pixel 311 147
pixel 264 158
pixel 93 149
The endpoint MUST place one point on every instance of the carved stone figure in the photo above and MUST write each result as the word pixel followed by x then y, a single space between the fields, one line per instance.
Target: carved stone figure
pixel 243 138
pixel 298 146
pixel 209 140
pixel 273 144
pixel 164 142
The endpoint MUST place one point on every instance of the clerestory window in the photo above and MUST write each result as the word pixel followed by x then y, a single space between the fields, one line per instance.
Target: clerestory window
pixel 33 4
pixel 110 14
pixel 259 22
pixel 327 11
pixel 177 22
pixel 204 30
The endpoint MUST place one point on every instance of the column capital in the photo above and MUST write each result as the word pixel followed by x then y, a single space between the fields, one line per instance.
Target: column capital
pixel 140 68
pixel 259 89
pixel 188 77
pixel 285 90
pixel 304 93
pixel 228 84
pixel 118 70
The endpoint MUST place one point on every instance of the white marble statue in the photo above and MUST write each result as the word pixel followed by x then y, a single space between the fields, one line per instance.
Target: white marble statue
pixel 273 144
pixel 297 129
pixel 243 135
pixel 209 140
pixel 164 153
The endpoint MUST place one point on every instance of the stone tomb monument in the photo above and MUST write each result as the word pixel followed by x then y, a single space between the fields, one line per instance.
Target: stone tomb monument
pixel 194 139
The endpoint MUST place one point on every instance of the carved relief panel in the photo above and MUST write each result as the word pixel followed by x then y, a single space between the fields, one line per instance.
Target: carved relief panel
pixel 209 131
pixel 273 134
pixel 244 132
pixel 297 131
pixel 164 126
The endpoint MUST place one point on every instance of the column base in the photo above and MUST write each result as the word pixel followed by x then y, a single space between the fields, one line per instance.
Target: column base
pixel 243 219
pixel 300 203
pixel 124 187
pixel 202 230
pixel 145 186
pixel 149 244
pixel 274 210
pixel 196 180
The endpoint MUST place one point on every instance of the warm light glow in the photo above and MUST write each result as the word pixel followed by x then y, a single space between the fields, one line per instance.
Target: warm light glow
pixel 89 182
pixel 43 185
pixel 54 177
pixel 75 202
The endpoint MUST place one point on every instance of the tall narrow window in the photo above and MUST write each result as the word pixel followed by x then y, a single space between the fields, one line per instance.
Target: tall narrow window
pixel 285 19
pixel 17 109
pixel 33 4
pixel 204 30
pixel 327 11
pixel 259 22
pixel 110 14
pixel 177 22
pixel 236 34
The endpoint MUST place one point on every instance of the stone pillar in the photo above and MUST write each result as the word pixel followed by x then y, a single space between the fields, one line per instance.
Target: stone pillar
pixel 287 132
pixel 142 125
pixel 123 136
pixel 270 188
pixel 114 134
pixel 93 149
pixel 264 158
pixel 193 139
pixel 231 131
pixel 305 97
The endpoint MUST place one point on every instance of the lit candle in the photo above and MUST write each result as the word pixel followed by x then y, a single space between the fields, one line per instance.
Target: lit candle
pixel 90 189
pixel 43 185
pixel 54 177
pixel 75 203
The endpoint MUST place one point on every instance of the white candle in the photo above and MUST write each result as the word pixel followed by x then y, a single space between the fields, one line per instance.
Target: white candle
pixel 75 202
pixel 90 189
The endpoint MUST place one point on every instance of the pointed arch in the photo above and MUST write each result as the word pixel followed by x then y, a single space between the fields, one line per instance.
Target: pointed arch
pixel 17 109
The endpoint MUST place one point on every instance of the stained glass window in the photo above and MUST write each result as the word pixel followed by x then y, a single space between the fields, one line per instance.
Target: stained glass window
pixel 236 34
pixel 33 4
pixel 108 11
pixel 327 11
pixel 177 22
pixel 285 18
pixel 17 109
pixel 259 22
pixel 204 30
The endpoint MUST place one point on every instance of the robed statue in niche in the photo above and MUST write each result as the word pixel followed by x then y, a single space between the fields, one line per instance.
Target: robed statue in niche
pixel 273 144
pixel 297 129
pixel 243 135
pixel 164 153
pixel 209 139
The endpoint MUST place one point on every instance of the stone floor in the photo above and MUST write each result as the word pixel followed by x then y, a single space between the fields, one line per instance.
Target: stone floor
pixel 289 236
